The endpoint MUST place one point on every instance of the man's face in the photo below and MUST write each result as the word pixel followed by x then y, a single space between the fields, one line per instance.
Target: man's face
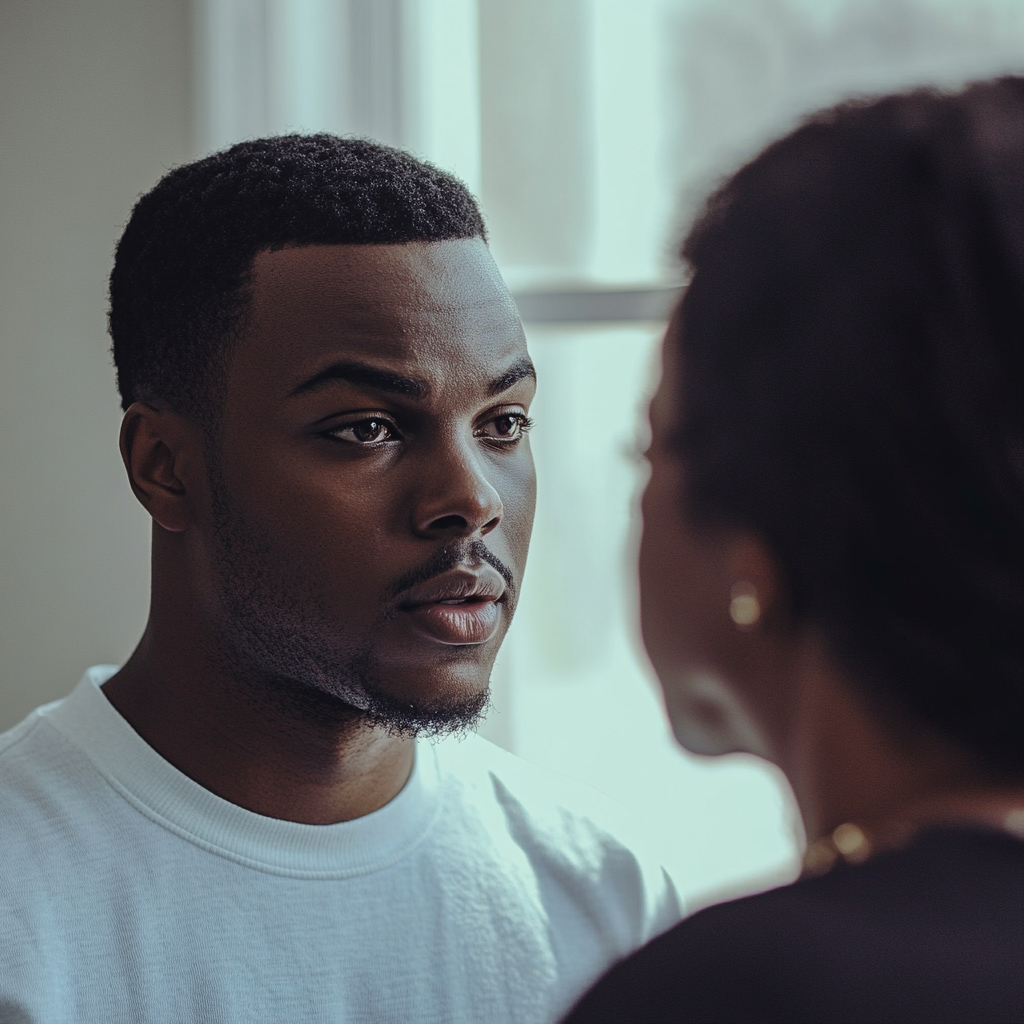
pixel 372 487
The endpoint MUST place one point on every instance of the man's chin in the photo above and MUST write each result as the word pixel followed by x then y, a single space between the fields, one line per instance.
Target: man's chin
pixel 422 699
pixel 444 715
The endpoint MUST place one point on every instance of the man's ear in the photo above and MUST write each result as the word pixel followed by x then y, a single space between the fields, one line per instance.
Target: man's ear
pixel 163 454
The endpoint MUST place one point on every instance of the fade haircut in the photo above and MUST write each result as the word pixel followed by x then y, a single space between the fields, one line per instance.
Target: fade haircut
pixel 852 359
pixel 179 287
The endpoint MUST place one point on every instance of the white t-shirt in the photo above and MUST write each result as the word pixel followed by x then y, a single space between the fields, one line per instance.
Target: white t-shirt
pixel 488 890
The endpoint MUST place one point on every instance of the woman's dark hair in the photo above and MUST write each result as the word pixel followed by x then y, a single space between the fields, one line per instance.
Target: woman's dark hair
pixel 178 290
pixel 852 390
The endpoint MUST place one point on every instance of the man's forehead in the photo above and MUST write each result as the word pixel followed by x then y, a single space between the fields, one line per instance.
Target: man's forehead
pixel 430 308
pixel 361 280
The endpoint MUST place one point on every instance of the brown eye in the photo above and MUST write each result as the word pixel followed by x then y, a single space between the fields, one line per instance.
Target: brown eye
pixel 369 431
pixel 508 428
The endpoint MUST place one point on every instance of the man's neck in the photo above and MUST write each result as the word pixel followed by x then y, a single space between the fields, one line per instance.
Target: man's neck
pixel 297 755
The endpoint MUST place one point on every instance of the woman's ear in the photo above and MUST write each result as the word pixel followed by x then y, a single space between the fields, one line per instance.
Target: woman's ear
pixel 163 454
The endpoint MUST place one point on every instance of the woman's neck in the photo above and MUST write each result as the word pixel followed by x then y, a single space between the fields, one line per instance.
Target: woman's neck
pixel 849 762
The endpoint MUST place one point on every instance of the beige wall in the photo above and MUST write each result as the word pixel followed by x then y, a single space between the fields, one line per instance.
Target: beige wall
pixel 94 106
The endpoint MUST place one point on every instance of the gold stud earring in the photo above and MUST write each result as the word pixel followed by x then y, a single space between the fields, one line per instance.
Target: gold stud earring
pixel 744 608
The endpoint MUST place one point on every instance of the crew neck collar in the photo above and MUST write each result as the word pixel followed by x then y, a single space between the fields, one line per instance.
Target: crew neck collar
pixel 173 800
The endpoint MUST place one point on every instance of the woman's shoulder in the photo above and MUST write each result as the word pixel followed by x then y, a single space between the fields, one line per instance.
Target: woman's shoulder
pixel 932 932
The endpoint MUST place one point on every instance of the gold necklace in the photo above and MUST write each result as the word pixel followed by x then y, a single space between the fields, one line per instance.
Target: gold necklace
pixel 854 843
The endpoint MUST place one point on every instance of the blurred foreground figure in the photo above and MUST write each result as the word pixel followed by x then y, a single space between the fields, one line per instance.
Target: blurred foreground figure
pixel 326 391
pixel 833 565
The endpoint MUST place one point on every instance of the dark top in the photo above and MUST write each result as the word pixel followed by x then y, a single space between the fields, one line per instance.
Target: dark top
pixel 930 933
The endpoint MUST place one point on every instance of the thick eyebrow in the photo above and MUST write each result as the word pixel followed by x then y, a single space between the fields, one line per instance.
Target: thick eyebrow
pixel 513 375
pixel 365 376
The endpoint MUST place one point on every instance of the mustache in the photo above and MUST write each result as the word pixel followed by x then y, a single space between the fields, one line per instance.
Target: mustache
pixel 449 557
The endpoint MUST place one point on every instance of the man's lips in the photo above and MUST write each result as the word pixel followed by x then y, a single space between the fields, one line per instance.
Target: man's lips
pixel 457 607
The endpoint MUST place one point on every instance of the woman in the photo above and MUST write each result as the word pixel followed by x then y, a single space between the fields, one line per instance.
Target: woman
pixel 833 564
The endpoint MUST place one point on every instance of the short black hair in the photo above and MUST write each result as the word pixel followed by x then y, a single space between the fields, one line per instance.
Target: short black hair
pixel 178 290
pixel 852 348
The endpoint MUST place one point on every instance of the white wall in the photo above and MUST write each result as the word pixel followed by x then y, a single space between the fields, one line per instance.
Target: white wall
pixel 94 107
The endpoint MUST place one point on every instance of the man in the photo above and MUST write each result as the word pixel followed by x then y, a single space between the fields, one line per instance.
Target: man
pixel 326 392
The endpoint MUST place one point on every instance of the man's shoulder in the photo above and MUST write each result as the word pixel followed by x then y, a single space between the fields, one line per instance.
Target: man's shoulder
pixel 29 748
pixel 16 735
pixel 565 827
pixel 48 784
pixel 571 845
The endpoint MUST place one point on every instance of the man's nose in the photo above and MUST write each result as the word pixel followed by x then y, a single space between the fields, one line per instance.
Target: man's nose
pixel 456 497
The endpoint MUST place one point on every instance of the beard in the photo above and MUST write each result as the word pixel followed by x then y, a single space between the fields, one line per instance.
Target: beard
pixel 277 637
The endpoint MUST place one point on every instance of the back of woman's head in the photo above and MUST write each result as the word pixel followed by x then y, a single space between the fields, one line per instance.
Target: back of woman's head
pixel 853 392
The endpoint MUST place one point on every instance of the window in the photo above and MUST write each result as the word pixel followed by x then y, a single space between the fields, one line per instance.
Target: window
pixel 589 129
